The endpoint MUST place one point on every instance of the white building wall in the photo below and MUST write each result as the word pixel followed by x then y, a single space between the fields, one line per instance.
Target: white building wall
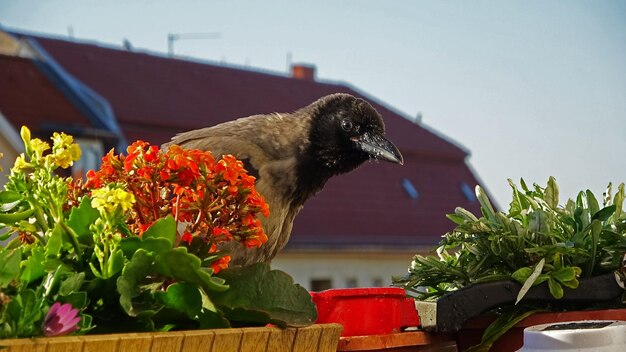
pixel 344 269
pixel 10 146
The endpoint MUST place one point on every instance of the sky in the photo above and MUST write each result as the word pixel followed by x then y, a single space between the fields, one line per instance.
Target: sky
pixel 531 89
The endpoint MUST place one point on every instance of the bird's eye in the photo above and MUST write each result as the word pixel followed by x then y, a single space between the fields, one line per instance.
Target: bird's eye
pixel 347 125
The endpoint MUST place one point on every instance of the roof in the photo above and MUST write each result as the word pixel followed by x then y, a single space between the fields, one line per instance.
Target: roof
pixel 153 97
pixel 28 97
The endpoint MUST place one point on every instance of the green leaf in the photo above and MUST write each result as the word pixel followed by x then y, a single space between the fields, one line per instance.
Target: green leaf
pixel 81 218
pixel 182 266
pixel 605 213
pixel 564 274
pixel 592 202
pixel 162 228
pixel 457 219
pixel 12 218
pixel 185 298
pixel 55 241
pixel 500 326
pixel 522 274
pixel 25 310
pixel 260 295
pixel 9 266
pixel 33 266
pixel 76 299
pixel 465 214
pixel 212 320
pixel 531 280
pixel 555 288
pixel 128 283
pixel 571 284
pixel 130 245
pixel 618 201
pixel 115 263
pixel 485 204
pixel 71 284
pixel 54 278
pixel 9 200
pixel 596 229
pixel 551 193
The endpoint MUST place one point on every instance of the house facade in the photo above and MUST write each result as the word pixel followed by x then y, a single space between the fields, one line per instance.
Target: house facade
pixel 361 229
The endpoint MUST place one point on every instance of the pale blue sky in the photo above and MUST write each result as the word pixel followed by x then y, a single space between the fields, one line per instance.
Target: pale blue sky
pixel 531 88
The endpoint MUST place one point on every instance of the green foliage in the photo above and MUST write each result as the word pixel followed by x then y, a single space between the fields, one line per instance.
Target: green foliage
pixel 537 241
pixel 250 297
pixel 79 250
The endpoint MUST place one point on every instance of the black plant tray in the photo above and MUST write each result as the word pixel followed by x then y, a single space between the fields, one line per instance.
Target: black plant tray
pixel 454 309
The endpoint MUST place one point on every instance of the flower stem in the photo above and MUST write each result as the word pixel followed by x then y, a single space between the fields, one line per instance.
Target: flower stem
pixel 74 238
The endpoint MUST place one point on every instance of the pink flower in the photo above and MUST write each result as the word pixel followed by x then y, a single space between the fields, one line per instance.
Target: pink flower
pixel 62 319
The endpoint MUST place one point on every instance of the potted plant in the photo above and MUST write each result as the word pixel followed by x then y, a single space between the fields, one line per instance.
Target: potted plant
pixel 530 259
pixel 138 246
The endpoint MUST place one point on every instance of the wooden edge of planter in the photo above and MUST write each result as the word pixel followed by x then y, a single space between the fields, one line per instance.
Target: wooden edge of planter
pixel 319 337
pixel 395 340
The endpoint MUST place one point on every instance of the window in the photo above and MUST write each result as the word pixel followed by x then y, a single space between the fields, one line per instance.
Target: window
pixel 409 188
pixel 468 192
pixel 378 282
pixel 321 284
pixel 92 152
pixel 351 282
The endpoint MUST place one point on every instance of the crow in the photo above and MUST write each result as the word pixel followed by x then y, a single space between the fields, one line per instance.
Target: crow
pixel 292 155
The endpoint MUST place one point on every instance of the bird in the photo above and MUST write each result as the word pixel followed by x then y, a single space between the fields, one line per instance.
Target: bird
pixel 293 155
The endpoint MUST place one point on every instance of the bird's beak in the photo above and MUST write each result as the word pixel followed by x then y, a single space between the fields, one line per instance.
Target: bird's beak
pixel 378 147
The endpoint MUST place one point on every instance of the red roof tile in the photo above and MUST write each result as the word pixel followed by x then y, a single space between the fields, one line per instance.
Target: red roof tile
pixel 28 98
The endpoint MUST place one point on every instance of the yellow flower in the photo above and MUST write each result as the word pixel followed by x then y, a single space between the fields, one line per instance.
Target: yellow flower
pixel 108 199
pixel 25 134
pixel 38 146
pixel 65 157
pixel 62 140
pixel 21 164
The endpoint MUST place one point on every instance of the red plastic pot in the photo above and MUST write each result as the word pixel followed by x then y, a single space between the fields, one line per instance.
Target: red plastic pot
pixel 366 311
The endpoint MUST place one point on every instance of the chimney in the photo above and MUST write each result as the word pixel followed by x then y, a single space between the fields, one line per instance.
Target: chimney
pixel 303 71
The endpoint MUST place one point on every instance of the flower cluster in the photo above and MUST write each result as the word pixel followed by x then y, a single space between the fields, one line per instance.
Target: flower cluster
pixel 214 200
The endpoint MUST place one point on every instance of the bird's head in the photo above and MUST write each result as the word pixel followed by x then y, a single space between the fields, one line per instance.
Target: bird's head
pixel 347 131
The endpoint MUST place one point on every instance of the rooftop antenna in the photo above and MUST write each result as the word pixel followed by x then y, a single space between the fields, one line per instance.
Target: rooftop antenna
pixel 70 32
pixel 172 37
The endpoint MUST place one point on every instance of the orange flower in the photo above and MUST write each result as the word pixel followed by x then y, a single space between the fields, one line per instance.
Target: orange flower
pixel 214 200
pixel 187 237
pixel 220 264
pixel 221 234
pixel 256 240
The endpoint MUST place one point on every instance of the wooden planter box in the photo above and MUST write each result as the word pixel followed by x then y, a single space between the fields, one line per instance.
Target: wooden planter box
pixel 408 341
pixel 321 338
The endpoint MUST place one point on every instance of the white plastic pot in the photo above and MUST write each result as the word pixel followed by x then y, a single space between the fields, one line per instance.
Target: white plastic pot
pixel 583 335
